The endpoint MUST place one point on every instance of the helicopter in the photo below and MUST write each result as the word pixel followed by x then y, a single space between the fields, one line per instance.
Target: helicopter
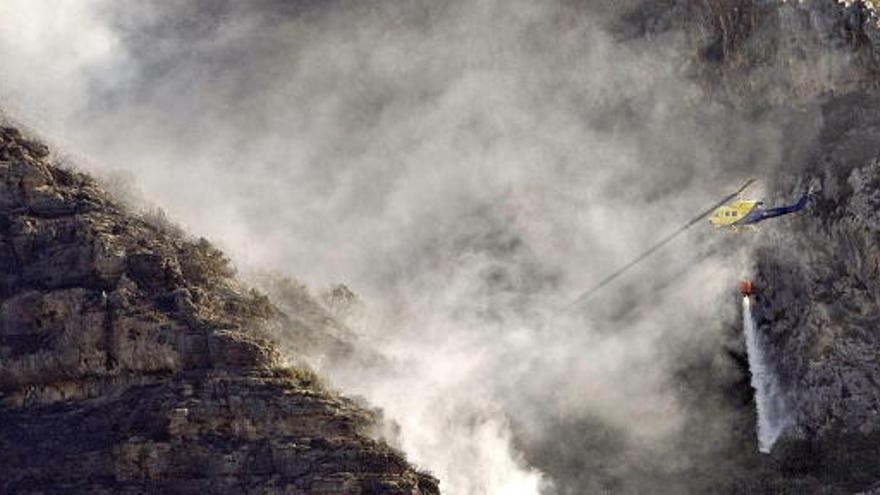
pixel 729 213
pixel 741 213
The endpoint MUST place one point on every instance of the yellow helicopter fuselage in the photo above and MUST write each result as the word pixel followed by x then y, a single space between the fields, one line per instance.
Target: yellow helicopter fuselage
pixel 731 213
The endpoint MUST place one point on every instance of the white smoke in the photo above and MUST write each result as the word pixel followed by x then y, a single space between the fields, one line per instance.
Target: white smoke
pixel 467 167
pixel 772 413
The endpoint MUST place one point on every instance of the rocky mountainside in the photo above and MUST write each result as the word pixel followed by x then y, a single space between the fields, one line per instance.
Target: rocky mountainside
pixel 818 306
pixel 809 70
pixel 132 361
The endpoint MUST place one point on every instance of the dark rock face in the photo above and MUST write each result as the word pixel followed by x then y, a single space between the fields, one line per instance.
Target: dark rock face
pixel 202 432
pixel 132 361
pixel 820 307
pixel 89 292
pixel 818 300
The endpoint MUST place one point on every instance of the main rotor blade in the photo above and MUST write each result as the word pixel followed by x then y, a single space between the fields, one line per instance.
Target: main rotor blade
pixel 656 247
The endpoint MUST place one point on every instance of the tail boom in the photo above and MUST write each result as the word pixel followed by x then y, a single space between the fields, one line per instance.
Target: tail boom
pixel 761 214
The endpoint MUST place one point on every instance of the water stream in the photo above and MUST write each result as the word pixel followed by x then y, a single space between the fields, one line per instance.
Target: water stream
pixel 772 414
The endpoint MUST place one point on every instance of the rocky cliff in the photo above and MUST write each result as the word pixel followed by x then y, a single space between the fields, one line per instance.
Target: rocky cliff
pixel 818 306
pixel 809 69
pixel 132 361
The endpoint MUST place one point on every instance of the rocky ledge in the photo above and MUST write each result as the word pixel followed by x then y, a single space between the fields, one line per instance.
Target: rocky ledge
pixel 132 360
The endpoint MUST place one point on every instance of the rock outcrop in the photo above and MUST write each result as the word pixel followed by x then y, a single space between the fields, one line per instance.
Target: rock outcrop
pixel 820 305
pixel 819 300
pixel 811 67
pixel 132 361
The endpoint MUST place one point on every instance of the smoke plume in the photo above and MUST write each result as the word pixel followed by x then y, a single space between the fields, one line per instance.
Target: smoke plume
pixel 468 168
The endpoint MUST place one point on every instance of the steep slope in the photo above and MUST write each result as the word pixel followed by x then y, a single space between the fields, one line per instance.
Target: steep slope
pixel 131 360
pixel 820 305
pixel 818 308
pixel 810 68
pixel 816 62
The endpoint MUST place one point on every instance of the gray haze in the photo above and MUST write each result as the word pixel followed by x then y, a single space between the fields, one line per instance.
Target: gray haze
pixel 467 167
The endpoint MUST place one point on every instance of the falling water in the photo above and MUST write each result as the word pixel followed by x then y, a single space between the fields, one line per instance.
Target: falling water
pixel 772 416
